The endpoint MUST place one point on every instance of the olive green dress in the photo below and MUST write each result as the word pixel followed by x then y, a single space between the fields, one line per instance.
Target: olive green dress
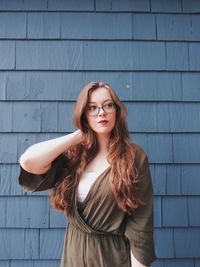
pixel 98 233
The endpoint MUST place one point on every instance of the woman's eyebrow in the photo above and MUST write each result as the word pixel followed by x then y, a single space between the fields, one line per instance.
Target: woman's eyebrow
pixel 103 101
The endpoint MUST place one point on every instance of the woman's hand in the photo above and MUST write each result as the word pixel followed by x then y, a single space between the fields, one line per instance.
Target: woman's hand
pixel 136 263
pixel 78 137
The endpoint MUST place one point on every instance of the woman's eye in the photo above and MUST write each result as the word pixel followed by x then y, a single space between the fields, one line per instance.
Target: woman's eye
pixel 109 105
pixel 92 107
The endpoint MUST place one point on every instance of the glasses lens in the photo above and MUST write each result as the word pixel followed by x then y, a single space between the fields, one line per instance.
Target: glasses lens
pixel 92 110
pixel 108 107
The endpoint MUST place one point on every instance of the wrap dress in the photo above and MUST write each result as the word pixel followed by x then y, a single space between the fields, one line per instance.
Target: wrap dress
pixel 99 233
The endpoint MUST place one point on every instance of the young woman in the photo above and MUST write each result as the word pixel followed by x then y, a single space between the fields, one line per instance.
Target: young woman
pixel 101 181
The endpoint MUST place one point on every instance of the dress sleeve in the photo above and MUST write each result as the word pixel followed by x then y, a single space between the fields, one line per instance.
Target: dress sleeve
pixel 140 224
pixel 38 182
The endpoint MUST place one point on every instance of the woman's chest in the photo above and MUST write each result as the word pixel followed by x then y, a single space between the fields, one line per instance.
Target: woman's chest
pixel 99 209
pixel 99 163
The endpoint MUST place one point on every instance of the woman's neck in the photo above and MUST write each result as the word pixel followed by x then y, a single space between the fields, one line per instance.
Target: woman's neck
pixel 103 143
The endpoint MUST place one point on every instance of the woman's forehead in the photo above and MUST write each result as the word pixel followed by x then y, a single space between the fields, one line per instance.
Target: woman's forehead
pixel 100 94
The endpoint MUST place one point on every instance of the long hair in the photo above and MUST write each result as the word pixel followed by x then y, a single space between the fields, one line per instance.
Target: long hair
pixel 120 156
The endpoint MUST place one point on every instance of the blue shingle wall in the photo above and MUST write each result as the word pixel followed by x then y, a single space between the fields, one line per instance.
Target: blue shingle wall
pixel 149 51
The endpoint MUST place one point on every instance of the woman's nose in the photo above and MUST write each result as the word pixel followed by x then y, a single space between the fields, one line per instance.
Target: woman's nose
pixel 101 111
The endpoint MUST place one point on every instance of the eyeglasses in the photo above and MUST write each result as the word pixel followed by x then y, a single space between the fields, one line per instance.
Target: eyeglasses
pixel 94 110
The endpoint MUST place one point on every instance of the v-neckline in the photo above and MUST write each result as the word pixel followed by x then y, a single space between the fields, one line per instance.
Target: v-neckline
pixel 91 188
pixel 78 215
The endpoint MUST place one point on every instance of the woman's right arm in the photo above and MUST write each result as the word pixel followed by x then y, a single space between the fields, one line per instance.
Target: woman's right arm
pixel 37 158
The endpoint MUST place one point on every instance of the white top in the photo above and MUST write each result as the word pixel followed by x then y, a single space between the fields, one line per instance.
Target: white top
pixel 86 181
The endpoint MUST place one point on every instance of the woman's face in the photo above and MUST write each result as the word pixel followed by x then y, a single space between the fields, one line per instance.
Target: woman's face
pixel 101 123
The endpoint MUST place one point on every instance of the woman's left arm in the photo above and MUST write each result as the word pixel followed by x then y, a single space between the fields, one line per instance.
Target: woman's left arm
pixel 140 224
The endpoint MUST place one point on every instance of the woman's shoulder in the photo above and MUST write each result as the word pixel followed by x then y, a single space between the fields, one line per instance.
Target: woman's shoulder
pixel 138 149
pixel 140 155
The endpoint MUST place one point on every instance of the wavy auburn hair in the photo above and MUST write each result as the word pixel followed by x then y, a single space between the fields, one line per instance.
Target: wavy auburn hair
pixel 120 156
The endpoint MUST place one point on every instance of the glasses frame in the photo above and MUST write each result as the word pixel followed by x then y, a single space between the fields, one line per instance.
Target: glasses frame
pixel 101 107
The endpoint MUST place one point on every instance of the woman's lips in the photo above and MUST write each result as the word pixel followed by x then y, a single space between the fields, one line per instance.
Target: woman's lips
pixel 103 122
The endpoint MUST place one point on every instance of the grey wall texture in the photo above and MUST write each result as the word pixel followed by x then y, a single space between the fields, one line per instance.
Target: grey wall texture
pixel 149 52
